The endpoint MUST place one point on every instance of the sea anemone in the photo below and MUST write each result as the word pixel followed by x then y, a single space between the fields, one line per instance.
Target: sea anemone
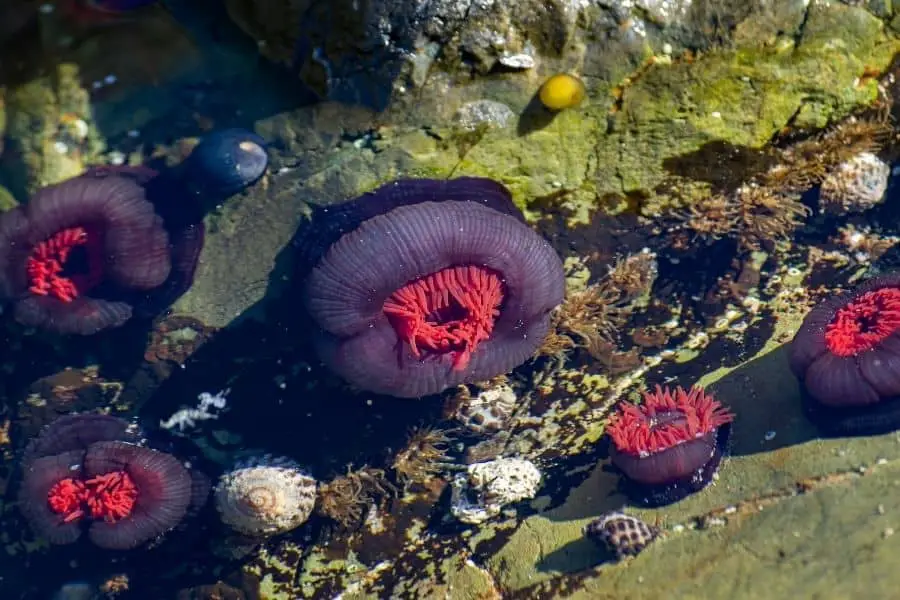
pixel 123 493
pixel 89 253
pixel 344 498
pixel 69 255
pixel 561 91
pixel 265 496
pixel 423 284
pixel 424 456
pixel 670 445
pixel 846 355
pixel 620 533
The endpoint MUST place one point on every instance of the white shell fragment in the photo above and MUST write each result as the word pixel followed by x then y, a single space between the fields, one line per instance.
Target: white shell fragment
pixel 265 496
pixel 482 492
pixel 517 61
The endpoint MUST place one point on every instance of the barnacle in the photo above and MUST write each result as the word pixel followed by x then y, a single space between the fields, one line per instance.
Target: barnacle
pixel 424 456
pixel 344 498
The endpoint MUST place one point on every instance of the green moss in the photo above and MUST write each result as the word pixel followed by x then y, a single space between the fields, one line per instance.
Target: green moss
pixel 41 116
pixel 745 96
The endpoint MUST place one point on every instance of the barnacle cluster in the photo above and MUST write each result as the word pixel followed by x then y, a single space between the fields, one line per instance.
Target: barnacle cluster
pixel 485 488
pixel 854 185
pixel 488 411
pixel 344 498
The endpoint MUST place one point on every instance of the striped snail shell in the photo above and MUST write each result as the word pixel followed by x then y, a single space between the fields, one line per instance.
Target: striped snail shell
pixel 265 496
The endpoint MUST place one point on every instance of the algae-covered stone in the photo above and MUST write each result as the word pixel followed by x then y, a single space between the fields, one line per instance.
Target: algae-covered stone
pixel 50 130
pixel 583 159
pixel 745 96
pixel 741 96
pixel 7 200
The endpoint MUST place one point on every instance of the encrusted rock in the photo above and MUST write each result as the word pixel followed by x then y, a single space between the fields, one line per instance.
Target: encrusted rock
pixel 855 185
pixel 485 488
pixel 472 114
pixel 265 496
pixel 489 411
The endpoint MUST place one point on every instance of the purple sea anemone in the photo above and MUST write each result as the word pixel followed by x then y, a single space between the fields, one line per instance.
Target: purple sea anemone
pixel 75 247
pixel 425 284
pixel 77 476
pixel 91 252
pixel 670 445
pixel 846 355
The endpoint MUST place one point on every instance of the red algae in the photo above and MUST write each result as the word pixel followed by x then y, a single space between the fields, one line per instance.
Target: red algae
pixel 452 310
pixel 864 323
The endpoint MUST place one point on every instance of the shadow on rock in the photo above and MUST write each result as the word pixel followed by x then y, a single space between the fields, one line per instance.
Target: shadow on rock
pixel 765 397
pixel 535 117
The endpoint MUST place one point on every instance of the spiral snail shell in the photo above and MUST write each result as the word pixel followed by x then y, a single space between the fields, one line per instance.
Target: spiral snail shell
pixel 265 496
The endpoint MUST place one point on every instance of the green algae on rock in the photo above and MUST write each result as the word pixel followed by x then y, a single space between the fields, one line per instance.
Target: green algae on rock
pixel 742 97
pixel 50 129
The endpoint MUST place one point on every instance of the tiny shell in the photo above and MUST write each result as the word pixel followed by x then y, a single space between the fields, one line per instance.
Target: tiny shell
pixel 623 534
pixel 265 496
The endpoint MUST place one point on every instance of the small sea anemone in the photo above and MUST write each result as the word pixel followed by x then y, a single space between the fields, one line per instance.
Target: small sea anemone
pixel 265 496
pixel 344 498
pixel 425 284
pixel 846 355
pixel 620 533
pixel 670 445
pixel 561 91
pixel 424 456
pixel 71 253
pixel 807 163
pixel 123 493
pixel 855 185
